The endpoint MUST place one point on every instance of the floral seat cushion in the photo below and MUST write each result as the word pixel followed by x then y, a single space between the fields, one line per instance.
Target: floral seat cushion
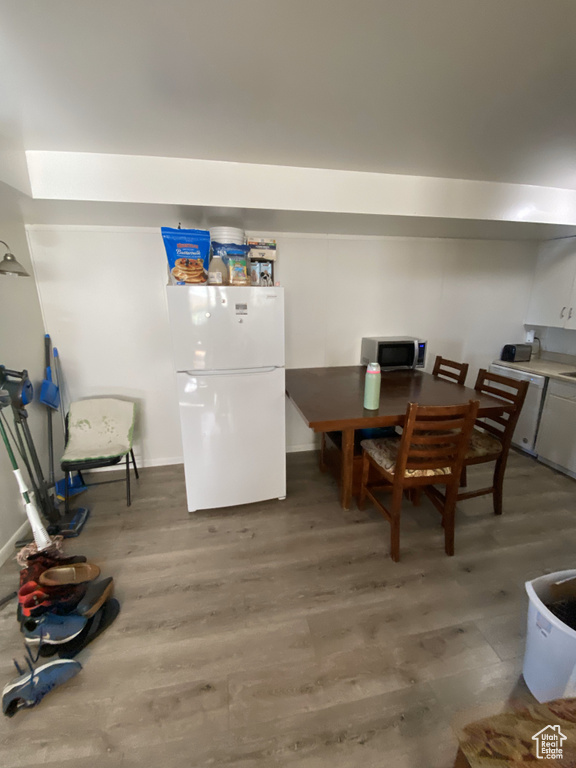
pixel 482 444
pixel 384 451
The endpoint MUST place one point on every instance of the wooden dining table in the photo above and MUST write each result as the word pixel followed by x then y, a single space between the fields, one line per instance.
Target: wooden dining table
pixel 331 400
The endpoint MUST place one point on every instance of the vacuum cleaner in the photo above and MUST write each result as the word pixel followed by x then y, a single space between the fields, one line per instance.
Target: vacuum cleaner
pixel 20 393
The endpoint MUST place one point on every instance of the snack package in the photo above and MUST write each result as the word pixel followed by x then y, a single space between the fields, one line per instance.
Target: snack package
pixel 265 274
pixel 236 259
pixel 188 252
pixel 261 273
pixel 255 273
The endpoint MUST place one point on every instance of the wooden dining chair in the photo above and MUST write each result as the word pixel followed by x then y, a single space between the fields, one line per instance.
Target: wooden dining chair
pixel 450 369
pixel 429 452
pixel 492 436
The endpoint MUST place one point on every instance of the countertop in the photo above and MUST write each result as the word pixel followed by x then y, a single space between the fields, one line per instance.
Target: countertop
pixel 541 367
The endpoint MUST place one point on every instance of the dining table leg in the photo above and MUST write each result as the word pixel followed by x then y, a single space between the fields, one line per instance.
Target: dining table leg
pixel 347 467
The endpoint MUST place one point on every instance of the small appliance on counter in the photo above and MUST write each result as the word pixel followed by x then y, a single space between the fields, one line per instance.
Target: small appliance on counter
pixel 393 352
pixel 516 353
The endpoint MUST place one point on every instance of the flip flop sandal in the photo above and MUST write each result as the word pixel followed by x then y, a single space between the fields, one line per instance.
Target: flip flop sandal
pixel 96 595
pixel 105 616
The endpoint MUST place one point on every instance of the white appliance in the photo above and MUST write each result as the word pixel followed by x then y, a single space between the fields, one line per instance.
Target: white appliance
pixel 527 428
pixel 228 347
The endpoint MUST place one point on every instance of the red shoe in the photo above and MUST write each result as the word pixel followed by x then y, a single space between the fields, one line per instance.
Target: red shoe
pixel 35 600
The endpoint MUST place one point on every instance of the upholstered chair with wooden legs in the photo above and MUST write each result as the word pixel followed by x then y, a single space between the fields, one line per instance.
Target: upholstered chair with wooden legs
pixel 429 452
pixel 450 369
pixel 491 438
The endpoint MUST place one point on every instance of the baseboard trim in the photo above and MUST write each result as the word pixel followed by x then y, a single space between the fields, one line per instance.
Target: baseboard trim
pixel 142 464
pixel 557 467
pixel 180 460
pixel 8 549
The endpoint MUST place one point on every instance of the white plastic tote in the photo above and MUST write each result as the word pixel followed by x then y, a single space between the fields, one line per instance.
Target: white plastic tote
pixel 550 658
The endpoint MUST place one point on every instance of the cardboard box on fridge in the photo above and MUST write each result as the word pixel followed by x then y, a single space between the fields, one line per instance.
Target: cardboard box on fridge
pixel 262 249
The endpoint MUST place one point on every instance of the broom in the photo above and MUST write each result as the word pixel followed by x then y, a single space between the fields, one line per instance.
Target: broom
pixel 50 397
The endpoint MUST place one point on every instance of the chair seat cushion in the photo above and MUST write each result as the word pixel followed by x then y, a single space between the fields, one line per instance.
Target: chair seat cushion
pixel 100 428
pixel 482 444
pixel 384 451
pixel 85 465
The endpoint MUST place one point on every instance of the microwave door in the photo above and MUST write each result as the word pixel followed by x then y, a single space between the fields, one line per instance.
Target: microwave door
pixel 396 355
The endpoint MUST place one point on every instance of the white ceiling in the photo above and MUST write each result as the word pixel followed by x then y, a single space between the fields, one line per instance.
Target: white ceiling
pixel 477 89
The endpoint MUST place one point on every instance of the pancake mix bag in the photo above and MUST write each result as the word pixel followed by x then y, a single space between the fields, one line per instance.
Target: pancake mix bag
pixel 188 252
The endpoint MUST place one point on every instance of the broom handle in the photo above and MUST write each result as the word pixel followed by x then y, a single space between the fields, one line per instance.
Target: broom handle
pixel 49 412
pixel 60 385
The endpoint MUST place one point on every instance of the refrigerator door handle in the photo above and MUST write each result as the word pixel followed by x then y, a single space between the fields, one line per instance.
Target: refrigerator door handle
pixel 229 371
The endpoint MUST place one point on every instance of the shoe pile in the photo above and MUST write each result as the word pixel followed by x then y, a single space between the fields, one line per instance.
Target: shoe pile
pixel 62 606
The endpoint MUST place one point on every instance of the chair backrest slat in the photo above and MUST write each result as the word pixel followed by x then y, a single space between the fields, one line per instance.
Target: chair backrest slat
pixel 510 391
pixel 450 369
pixel 436 437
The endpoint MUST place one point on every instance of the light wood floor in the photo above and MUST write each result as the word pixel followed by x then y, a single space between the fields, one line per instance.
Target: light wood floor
pixel 281 634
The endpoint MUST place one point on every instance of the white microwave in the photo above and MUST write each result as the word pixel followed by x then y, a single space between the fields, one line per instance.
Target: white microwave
pixel 394 352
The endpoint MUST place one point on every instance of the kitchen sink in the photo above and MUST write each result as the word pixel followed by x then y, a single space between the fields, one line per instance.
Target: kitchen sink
pixel 571 374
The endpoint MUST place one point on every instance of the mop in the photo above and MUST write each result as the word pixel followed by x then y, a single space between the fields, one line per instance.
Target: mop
pixel 41 537
pixel 20 391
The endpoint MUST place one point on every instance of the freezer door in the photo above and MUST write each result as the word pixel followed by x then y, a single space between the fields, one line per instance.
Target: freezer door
pixel 216 328
pixel 233 435
pixel 527 426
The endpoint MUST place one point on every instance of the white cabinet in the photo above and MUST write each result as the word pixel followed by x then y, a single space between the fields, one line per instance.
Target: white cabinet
pixel 571 317
pixel 553 299
pixel 556 442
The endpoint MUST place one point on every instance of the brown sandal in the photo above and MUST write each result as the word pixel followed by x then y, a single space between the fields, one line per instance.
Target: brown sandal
pixel 76 573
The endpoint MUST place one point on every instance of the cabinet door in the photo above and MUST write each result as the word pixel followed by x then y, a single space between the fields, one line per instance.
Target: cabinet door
pixel 552 287
pixel 557 434
pixel 571 317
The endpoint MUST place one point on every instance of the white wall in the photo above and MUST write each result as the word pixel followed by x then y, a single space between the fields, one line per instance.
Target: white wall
pixel 21 346
pixel 104 304
pixel 466 297
pixel 559 340
pixel 103 298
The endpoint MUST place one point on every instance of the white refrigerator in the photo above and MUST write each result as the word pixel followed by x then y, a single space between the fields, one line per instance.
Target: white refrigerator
pixel 228 346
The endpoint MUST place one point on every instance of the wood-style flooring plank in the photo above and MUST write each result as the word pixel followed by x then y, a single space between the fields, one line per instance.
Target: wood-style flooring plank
pixel 281 633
